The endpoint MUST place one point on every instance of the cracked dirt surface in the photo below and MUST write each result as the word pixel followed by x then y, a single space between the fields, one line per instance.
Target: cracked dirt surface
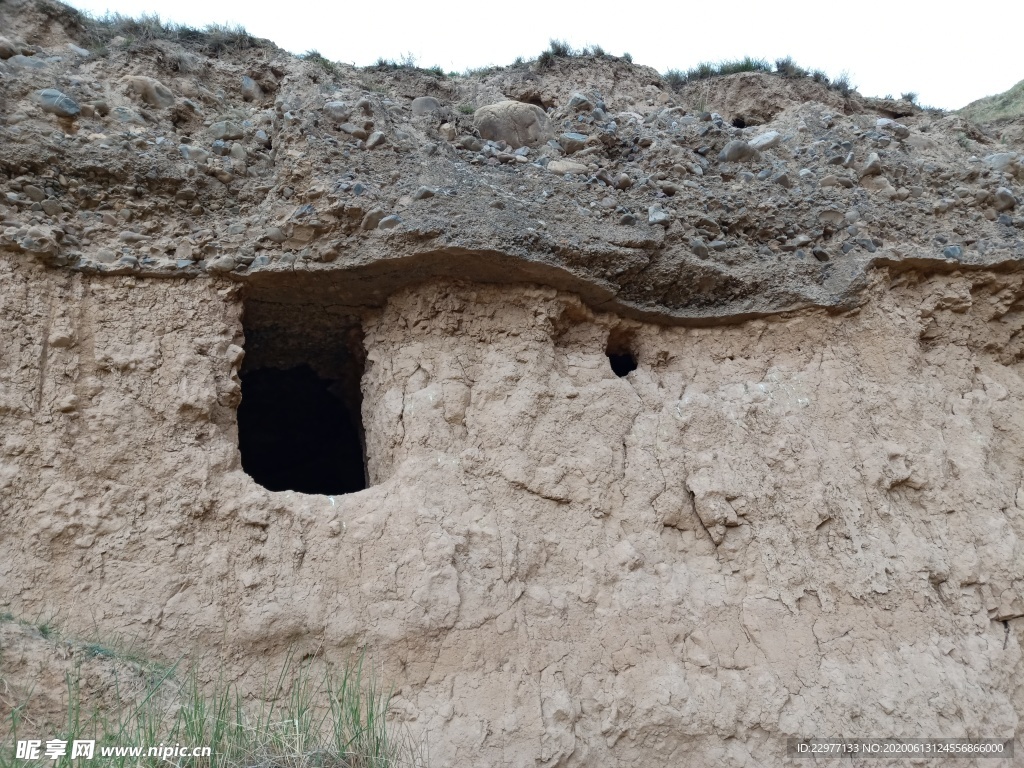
pixel 801 525
pixel 800 515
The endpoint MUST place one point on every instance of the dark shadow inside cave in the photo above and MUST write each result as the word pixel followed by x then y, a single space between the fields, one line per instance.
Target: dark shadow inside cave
pixel 622 363
pixel 300 420
pixel 295 433
pixel 620 352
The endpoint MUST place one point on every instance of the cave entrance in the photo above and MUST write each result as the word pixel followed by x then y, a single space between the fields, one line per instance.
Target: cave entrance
pixel 623 363
pixel 299 422
pixel 619 352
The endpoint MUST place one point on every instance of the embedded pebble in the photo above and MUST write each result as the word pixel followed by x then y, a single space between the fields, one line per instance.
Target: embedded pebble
pixel 658 215
pixel 735 151
pixel 226 129
pixel 57 103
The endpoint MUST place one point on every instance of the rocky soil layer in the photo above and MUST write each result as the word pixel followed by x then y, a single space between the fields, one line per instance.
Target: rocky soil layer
pixel 800 515
pixel 176 157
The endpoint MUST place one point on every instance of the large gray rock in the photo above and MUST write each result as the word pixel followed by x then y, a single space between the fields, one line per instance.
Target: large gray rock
pixel 572 142
pixel 735 151
pixel 1001 161
pixel 57 103
pixel 581 103
pixel 766 141
pixel 221 264
pixel 338 111
pixel 20 61
pixel 424 105
pixel 658 215
pixel 226 129
pixel 899 130
pixel 1004 200
pixel 7 48
pixel 194 154
pixel 516 123
pixel 562 167
pixel 872 166
pixel 1007 162
pixel 251 90
pixel 125 115
pixel 151 91
pixel 372 219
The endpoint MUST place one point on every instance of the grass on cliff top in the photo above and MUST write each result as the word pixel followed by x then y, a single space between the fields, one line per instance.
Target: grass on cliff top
pixel 96 33
pixel 677 78
pixel 406 62
pixel 330 718
pixel 559 49
pixel 1002 106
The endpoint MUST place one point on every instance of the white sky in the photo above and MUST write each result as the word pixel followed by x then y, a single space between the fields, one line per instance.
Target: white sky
pixel 948 53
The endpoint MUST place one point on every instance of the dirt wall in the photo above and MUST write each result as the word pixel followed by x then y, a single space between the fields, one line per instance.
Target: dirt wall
pixel 807 525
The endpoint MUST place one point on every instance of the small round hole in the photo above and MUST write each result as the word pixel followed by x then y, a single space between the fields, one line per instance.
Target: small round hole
pixel 622 363
pixel 739 122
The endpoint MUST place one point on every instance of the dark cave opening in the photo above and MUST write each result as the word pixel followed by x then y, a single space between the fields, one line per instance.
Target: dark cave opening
pixel 619 351
pixel 622 363
pixel 296 434
pixel 300 420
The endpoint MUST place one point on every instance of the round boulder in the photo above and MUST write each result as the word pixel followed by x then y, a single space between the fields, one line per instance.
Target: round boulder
pixel 424 105
pixel 57 103
pixel 337 111
pixel 251 90
pixel 516 123
pixel 151 91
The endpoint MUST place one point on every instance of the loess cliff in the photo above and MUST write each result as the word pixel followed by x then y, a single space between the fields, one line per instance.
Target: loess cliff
pixel 625 425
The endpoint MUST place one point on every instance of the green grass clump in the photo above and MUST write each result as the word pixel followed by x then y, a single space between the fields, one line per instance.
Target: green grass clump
pixel 213 40
pixel 481 71
pixel 789 68
pixel 842 84
pixel 560 49
pixel 322 61
pixel 785 67
pixel 1001 106
pixel 407 62
pixel 746 64
pixel 219 38
pixel 309 717
pixel 705 70
pixel 675 78
pixel 330 720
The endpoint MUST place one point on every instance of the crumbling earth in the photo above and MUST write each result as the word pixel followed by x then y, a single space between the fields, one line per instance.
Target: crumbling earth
pixel 800 515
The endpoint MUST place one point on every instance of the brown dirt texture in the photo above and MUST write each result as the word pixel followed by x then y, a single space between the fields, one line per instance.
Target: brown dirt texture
pixel 802 514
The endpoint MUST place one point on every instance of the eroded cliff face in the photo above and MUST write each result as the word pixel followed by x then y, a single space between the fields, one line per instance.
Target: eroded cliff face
pixel 799 513
pixel 803 525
